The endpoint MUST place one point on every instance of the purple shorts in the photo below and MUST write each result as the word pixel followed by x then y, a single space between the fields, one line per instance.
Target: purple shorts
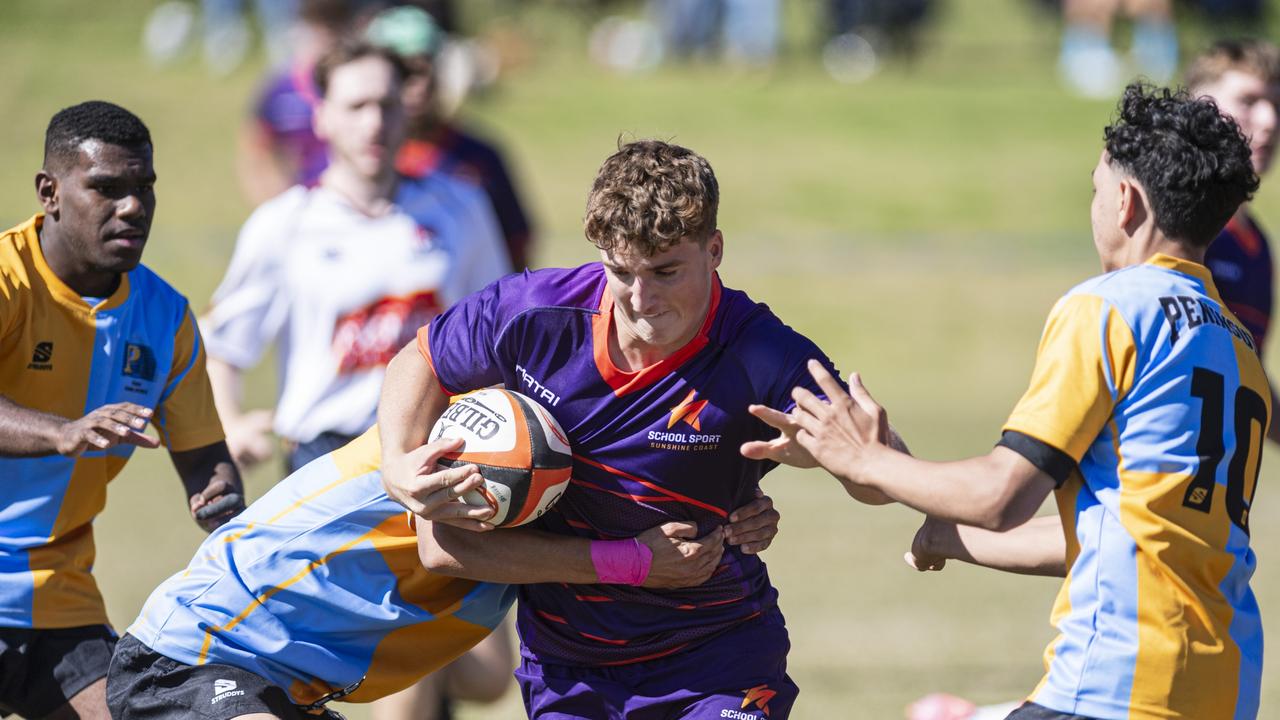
pixel 740 675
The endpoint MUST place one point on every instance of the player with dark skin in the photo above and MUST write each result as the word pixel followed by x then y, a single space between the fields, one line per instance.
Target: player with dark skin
pixel 99 203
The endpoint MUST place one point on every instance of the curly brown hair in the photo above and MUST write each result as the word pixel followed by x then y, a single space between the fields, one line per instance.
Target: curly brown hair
pixel 649 196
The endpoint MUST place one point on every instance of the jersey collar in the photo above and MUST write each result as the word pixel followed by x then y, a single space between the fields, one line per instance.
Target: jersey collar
pixel 60 290
pixel 1186 267
pixel 623 381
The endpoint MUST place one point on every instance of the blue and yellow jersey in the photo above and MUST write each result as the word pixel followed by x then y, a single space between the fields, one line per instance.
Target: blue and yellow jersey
pixel 60 355
pixel 1154 389
pixel 318 586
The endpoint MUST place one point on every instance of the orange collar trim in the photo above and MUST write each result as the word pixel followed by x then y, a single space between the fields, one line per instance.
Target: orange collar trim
pixel 625 381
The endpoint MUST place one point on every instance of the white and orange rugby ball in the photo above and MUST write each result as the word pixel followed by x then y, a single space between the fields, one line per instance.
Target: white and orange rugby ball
pixel 521 451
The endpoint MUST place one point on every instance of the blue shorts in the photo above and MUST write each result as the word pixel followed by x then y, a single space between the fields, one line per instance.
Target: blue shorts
pixel 739 675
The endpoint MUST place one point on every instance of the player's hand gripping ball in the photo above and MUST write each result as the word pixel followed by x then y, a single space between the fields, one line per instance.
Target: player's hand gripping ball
pixel 521 452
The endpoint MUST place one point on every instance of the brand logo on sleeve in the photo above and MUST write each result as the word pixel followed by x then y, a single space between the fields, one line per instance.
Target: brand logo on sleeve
pixel 535 388
pixel 42 357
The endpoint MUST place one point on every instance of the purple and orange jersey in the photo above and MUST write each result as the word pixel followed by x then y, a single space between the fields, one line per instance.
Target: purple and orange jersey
pixel 651 446
pixel 1240 260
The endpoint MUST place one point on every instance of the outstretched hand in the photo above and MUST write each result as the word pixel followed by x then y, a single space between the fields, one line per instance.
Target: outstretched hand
pixel 120 423
pixel 783 449
pixel 840 431
pixel 834 433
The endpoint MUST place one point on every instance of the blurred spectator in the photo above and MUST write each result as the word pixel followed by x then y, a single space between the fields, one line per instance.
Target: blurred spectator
pixel 689 28
pixel 745 30
pixel 751 31
pixel 1090 65
pixel 278 147
pixel 861 32
pixel 171 28
pixel 436 143
pixel 227 36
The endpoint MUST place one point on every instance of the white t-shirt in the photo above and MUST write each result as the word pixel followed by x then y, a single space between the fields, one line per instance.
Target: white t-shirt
pixel 342 292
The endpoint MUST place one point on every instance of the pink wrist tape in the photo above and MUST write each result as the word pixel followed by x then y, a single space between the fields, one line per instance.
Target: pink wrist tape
pixel 621 562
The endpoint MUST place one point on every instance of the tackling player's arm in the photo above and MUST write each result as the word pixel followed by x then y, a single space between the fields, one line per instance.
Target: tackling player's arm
pixel 848 435
pixel 25 432
pixel 248 432
pixel 785 449
pixel 1036 547
pixel 1086 361
pixel 215 493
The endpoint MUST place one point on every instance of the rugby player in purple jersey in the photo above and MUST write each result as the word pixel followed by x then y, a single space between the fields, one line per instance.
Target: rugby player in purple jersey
pixel 649 363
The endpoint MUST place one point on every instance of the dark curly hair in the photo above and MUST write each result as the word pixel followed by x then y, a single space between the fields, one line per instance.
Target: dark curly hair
pixel 1193 162
pixel 649 196
pixel 92 120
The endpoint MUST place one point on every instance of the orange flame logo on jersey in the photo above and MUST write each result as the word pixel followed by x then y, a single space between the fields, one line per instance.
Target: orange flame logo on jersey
pixel 759 696
pixel 688 411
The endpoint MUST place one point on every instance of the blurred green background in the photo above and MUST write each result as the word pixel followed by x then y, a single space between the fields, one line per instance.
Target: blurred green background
pixel 918 226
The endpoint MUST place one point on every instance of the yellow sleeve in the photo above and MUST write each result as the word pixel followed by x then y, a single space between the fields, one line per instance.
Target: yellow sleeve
pixel 1084 367
pixel 187 418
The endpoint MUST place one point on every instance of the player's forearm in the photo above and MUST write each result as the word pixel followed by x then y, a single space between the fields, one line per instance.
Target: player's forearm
pixel 25 432
pixel 410 404
pixel 213 485
pixel 202 467
pixel 1036 547
pixel 990 491
pixel 228 389
pixel 514 556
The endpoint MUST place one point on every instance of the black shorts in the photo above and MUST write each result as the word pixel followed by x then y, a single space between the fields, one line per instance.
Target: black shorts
pixel 1032 711
pixel 145 685
pixel 40 670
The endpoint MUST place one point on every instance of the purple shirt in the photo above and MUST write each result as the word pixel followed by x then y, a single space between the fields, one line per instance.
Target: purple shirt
pixel 1240 260
pixel 284 109
pixel 650 447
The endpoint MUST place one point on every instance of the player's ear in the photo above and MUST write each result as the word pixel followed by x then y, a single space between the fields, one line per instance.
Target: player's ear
pixel 47 192
pixel 1130 206
pixel 715 246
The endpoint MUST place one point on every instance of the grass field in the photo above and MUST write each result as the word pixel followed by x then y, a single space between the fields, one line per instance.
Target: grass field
pixel 918 226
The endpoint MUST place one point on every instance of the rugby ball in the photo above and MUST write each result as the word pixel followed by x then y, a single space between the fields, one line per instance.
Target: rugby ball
pixel 520 449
